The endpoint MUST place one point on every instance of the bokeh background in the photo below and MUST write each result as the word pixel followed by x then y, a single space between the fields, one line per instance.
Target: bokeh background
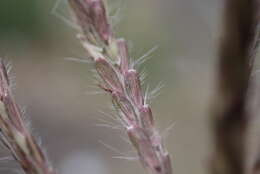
pixel 37 35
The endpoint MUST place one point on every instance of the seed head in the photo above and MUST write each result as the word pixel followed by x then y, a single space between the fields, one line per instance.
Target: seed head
pixel 91 16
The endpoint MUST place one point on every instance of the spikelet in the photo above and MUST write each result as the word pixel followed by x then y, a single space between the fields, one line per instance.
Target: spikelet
pixel 15 135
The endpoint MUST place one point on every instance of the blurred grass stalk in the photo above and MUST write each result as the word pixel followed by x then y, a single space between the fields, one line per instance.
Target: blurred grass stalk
pixel 231 108
pixel 119 79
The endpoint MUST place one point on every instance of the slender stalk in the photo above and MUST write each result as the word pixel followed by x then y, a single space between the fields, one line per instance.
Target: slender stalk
pixel 236 57
pixel 122 82
pixel 15 135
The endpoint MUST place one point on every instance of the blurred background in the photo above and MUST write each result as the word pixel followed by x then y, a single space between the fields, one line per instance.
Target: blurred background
pixel 37 36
